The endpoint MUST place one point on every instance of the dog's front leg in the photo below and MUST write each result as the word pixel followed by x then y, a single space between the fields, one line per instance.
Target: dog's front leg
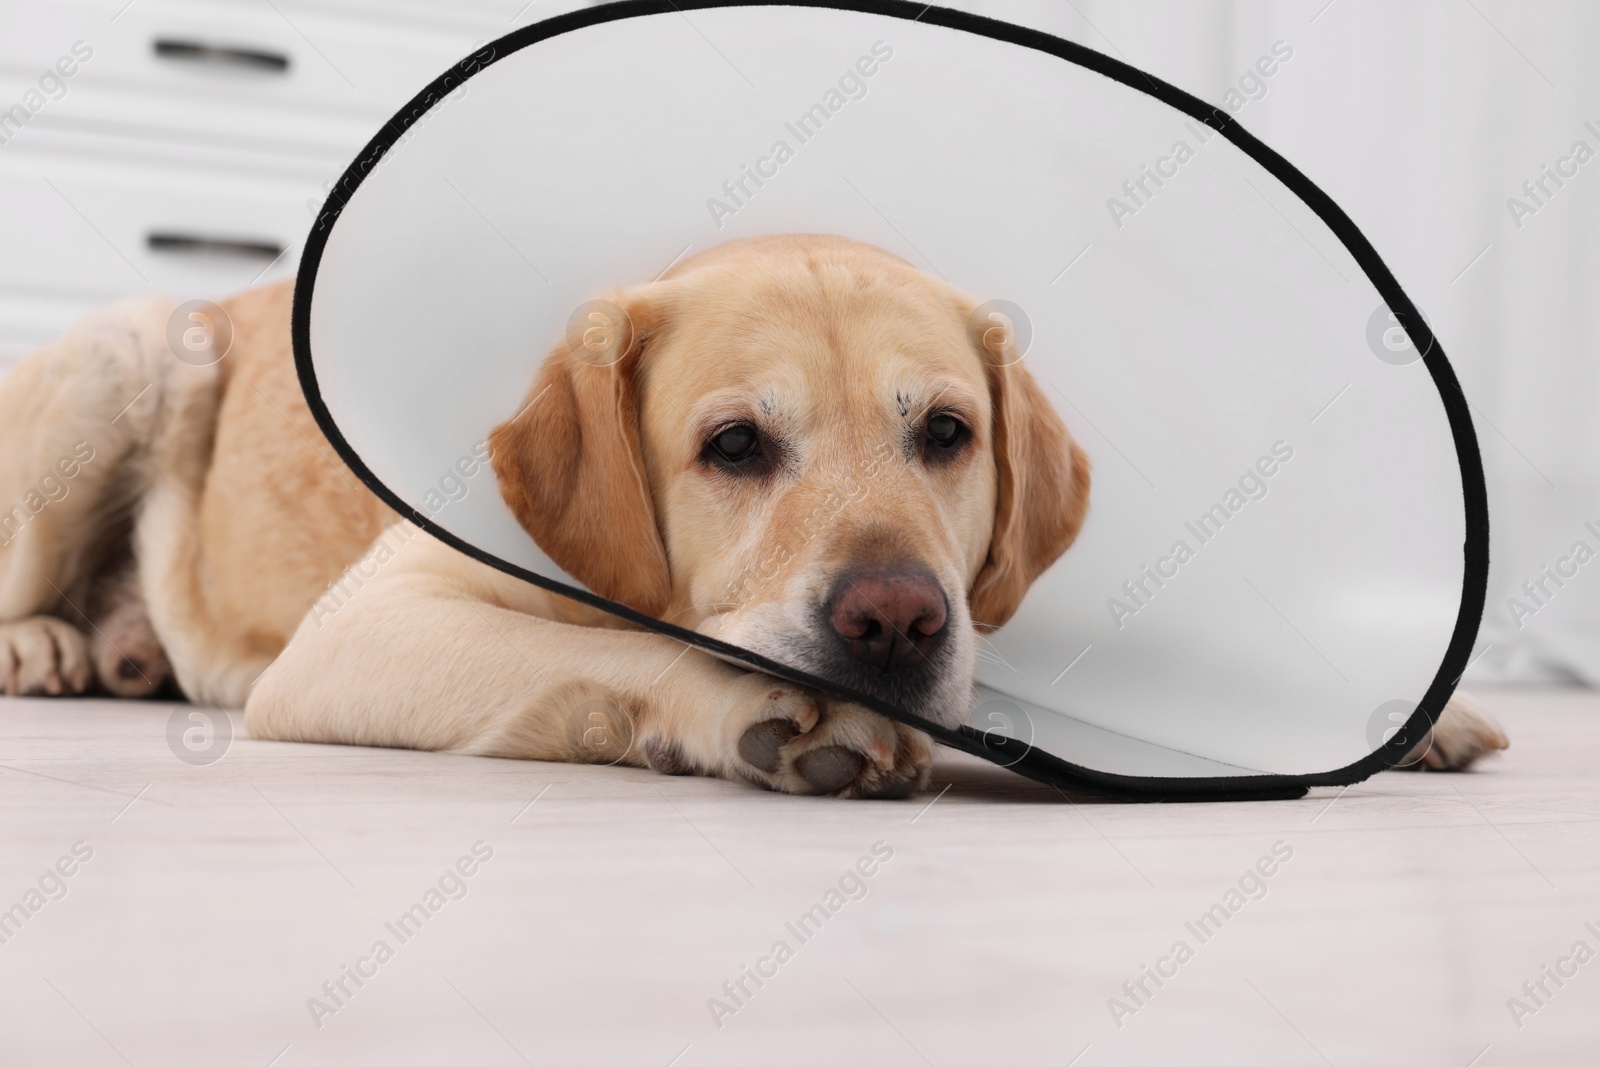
pixel 420 647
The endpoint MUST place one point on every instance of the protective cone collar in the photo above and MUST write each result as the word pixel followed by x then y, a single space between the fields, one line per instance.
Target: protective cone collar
pixel 1285 559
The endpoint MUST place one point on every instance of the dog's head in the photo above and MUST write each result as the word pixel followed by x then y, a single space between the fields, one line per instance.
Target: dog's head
pixel 806 447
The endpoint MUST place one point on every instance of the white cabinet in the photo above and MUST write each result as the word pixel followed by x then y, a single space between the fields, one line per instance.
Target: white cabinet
pixel 180 146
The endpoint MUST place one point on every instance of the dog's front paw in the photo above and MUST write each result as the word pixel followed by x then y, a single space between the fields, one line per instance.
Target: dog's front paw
pixel 42 656
pixel 1464 733
pixel 801 743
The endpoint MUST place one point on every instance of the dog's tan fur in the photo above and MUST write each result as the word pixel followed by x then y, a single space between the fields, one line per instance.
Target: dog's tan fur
pixel 239 517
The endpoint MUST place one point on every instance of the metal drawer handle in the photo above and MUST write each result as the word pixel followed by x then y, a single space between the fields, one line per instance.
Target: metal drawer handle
pixel 231 246
pixel 200 52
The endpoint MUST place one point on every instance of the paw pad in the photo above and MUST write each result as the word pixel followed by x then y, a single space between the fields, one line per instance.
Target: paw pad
pixel 761 744
pixel 830 768
pixel 666 757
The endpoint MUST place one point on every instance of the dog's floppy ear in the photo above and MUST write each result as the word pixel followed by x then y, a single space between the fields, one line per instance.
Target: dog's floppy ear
pixel 1043 490
pixel 569 462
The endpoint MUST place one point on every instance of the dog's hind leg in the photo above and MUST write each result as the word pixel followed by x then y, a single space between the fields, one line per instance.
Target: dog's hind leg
pixel 77 419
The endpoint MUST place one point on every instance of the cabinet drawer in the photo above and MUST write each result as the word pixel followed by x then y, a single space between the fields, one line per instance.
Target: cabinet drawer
pixel 206 125
pixel 181 237
pixel 187 69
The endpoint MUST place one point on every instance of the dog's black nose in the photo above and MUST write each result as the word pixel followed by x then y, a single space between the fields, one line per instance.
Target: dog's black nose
pixel 890 617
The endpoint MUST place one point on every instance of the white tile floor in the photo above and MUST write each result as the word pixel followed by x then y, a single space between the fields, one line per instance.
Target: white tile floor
pixel 617 903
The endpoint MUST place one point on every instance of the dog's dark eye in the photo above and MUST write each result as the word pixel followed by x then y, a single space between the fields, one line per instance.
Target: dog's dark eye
pixel 945 433
pixel 943 430
pixel 734 444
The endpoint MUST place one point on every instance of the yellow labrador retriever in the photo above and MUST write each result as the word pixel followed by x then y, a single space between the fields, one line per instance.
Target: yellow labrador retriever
pixel 799 444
